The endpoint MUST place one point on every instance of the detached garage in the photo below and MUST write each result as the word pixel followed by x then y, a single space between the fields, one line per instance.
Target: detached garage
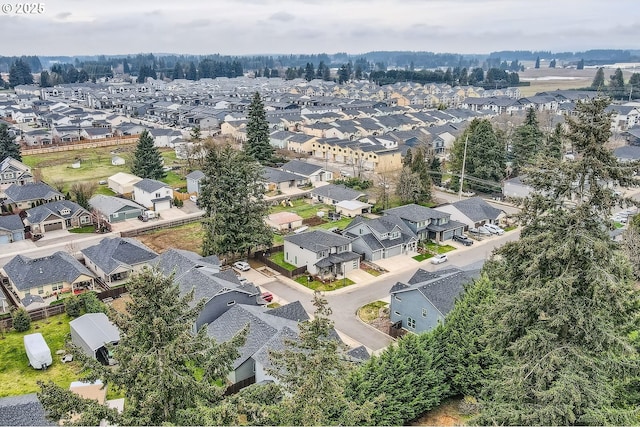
pixel 91 332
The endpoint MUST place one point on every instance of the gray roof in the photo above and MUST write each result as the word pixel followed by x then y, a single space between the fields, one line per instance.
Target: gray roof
pixel 416 213
pixel 149 185
pixel 195 175
pixel 42 212
pixel 627 152
pixel 109 254
pixel 23 410
pixel 300 168
pixel 27 273
pixel 441 287
pixel 11 223
pixel 95 329
pixel 275 175
pixel 317 240
pixel 31 191
pixel 111 204
pixel 337 192
pixel 477 209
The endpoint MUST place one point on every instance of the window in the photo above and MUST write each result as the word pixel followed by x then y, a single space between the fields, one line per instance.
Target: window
pixel 40 290
pixel 84 220
pixel 355 263
pixel 157 195
pixel 397 313
pixel 230 303
pixel 411 323
pixel 8 175
pixel 424 312
pixel 397 298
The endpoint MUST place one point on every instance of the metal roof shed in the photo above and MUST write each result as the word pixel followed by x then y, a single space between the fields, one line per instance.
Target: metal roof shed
pixel 92 331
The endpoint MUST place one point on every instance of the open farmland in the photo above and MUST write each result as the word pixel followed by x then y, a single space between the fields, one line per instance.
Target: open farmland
pixel 547 79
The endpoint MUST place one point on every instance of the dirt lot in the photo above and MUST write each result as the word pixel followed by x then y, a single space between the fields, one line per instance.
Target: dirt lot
pixel 447 414
pixel 187 237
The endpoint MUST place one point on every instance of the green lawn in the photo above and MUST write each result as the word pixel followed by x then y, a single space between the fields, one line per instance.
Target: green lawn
pixel 370 312
pixel 422 257
pixel 371 271
pixel 341 224
pixel 86 229
pixel 436 248
pixel 511 227
pixel 16 376
pixel 174 180
pixel 300 207
pixel 278 258
pixel 328 286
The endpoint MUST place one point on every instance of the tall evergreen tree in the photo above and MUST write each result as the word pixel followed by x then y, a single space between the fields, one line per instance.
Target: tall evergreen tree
pixel 45 79
pixel 178 72
pixel 537 65
pixel 147 161
pixel 527 142
pixel 233 197
pixel 564 298
pixel 257 144
pixel 309 72
pixel 20 74
pixel 598 79
pixel 408 186
pixel 580 65
pixel 8 146
pixel 192 72
pixel 552 63
pixel 164 369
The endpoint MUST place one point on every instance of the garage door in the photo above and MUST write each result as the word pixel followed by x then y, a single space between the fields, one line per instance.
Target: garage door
pixel 4 239
pixel 53 226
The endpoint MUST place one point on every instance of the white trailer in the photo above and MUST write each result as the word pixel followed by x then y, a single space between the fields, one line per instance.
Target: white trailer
pixel 38 351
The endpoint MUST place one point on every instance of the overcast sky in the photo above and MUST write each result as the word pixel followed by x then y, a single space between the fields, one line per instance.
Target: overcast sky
pixel 83 27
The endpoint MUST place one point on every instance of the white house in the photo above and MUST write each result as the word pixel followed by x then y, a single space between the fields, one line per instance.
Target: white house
pixel 323 253
pixel 153 194
pixel 122 182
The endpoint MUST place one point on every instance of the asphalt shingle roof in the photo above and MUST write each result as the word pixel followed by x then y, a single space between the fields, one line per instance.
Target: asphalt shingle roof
pixel 195 175
pixel 24 410
pixel 110 254
pixel 477 209
pixel 42 212
pixel 110 204
pixel 337 192
pixel 275 175
pixel 31 191
pixel 27 273
pixel 149 185
pixel 416 213
pixel 300 168
pixel 11 223
pixel 317 240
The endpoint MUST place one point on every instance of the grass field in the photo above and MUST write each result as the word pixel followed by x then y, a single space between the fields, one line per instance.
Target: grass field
pixel 371 311
pixel 95 165
pixel 322 287
pixel 548 79
pixel 16 376
pixel 187 237
pixel 300 207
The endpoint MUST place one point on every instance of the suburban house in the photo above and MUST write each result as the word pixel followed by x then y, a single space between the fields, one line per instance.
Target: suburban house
pixel 48 275
pixel 473 212
pixel 164 137
pixel 122 182
pixel 283 221
pixel 352 208
pixel 59 215
pixel 332 194
pixel 427 223
pixel 269 330
pixel 194 180
pixel 219 289
pixel 275 179
pixel 29 195
pixel 312 173
pixel 324 253
pixel 115 260
pixel 13 171
pixel 11 229
pixel 153 194
pixel 426 299
pixel 380 238
pixel 114 209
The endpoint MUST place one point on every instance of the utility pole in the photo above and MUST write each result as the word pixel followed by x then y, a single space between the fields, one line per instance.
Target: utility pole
pixel 464 161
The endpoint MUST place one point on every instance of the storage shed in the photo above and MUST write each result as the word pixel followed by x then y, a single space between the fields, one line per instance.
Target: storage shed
pixel 91 332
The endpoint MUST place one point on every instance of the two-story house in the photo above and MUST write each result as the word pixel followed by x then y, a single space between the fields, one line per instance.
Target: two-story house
pixel 427 223
pixel 381 238
pixel 153 194
pixel 324 253
pixel 13 172
pixel 426 299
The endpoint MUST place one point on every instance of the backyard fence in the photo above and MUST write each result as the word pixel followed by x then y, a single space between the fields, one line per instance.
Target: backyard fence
pixel 69 146
pixel 263 257
pixel 163 224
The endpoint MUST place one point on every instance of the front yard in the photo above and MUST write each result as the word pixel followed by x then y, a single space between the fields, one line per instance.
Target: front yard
pixel 278 258
pixel 326 285
pixel 16 376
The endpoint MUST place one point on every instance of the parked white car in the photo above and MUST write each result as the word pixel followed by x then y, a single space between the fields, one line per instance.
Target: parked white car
pixel 242 266
pixel 480 230
pixel 494 229
pixel 439 259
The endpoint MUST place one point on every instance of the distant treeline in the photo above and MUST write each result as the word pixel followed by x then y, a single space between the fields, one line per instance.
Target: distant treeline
pixel 494 77
pixel 32 61
pixel 591 57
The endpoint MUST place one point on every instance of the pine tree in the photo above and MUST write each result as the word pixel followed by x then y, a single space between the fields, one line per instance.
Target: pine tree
pixel 8 146
pixel 408 186
pixel 232 194
pixel 164 369
pixel 147 161
pixel 257 144
pixel 527 142
pixel 580 65
pixel 564 296
pixel 537 62
pixel 309 72
pixel 598 79
pixel 435 167
pixel 21 320
pixel 20 74
pixel 178 73
pixel 45 79
pixel 192 72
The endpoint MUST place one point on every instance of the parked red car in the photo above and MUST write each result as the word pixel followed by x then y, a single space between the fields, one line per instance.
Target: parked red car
pixel 267 296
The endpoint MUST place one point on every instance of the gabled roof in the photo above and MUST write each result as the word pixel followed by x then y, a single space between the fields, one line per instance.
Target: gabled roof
pixel 23 410
pixel 150 185
pixel 440 288
pixel 195 175
pixel 31 191
pixel 27 273
pixel 42 212
pixel 110 204
pixel 11 164
pixel 300 168
pixel 337 192
pixel 477 209
pixel 95 329
pixel 416 213
pixel 317 240
pixel 277 176
pixel 11 223
pixel 110 254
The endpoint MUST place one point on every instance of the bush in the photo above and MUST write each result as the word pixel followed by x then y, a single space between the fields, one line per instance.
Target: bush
pixel 21 320
pixel 92 304
pixel 177 202
pixel 73 306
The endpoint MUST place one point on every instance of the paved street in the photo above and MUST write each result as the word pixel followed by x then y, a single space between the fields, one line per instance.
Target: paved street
pixel 346 301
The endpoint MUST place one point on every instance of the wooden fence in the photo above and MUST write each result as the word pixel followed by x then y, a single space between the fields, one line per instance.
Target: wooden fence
pixel 36 314
pixel 106 142
pixel 263 257
pixel 234 388
pixel 164 224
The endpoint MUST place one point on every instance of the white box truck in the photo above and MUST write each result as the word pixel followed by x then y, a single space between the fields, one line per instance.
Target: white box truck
pixel 37 351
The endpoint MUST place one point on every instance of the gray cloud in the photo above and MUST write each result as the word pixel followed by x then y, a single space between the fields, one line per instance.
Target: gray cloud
pixel 282 16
